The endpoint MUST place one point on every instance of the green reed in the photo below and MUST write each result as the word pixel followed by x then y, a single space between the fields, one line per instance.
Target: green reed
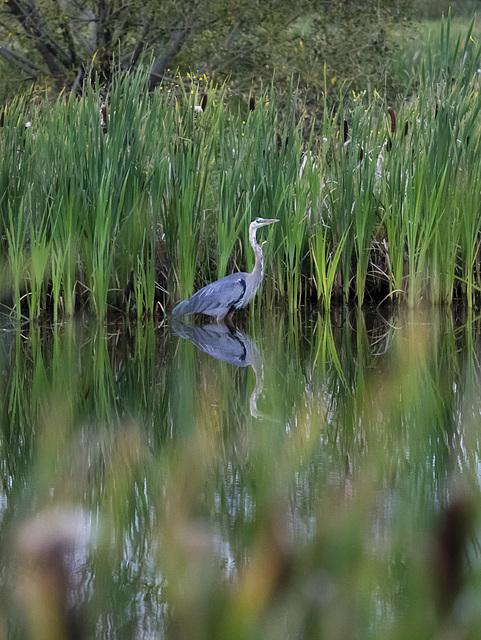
pixel 64 261
pixel 366 204
pixel 16 234
pixel 232 212
pixel 40 252
pixel 326 258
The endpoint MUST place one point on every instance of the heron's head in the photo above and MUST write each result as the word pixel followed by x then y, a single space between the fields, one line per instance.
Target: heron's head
pixel 262 222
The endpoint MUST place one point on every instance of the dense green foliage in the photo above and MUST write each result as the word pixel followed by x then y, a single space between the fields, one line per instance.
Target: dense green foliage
pixel 133 204
pixel 248 43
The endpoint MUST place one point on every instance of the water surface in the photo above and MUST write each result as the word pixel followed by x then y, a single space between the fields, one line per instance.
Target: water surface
pixel 292 477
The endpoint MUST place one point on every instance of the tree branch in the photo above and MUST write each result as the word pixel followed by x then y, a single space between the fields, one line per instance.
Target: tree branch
pixel 19 61
pixel 139 47
pixel 177 39
pixel 47 46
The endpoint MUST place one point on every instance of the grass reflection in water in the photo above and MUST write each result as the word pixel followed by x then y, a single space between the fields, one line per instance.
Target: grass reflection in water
pixel 328 486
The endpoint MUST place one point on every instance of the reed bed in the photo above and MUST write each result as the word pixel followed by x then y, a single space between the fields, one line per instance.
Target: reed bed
pixel 125 200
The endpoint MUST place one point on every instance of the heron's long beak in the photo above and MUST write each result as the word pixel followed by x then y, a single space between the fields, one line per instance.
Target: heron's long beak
pixel 267 221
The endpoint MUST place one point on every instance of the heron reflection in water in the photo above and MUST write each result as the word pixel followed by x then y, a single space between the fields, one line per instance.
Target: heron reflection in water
pixel 221 298
pixel 230 345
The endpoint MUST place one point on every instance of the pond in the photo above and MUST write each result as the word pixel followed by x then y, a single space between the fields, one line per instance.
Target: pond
pixel 295 477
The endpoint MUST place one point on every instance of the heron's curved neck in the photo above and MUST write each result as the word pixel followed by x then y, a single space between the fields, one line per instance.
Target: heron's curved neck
pixel 258 270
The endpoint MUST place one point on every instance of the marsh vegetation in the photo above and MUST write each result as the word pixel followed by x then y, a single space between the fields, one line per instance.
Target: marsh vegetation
pixel 128 201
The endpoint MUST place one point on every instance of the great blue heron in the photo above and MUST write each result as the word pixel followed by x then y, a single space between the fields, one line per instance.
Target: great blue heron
pixel 223 297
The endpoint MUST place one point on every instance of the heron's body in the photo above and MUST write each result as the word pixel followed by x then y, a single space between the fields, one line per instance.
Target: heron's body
pixel 221 298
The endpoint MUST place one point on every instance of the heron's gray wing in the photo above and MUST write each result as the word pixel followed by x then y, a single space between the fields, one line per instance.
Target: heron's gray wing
pixel 215 299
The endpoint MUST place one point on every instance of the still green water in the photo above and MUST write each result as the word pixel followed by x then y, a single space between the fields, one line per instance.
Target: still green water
pixel 299 477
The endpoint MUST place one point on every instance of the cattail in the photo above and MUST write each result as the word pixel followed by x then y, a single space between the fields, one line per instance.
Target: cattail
pixel 252 103
pixel 436 108
pixel 390 110
pixel 2 118
pixel 361 154
pixel 346 131
pixel 203 101
pixel 103 124
pixel 47 573
pixel 450 549
pixel 406 128
pixel 279 142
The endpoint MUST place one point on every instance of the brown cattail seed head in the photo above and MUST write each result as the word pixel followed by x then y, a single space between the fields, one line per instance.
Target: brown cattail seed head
pixel 103 124
pixel 392 115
